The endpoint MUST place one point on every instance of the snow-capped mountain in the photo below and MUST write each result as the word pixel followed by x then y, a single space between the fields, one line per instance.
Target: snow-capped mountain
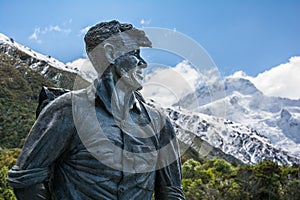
pixel 45 65
pixel 10 46
pixel 252 127
pixel 232 138
pixel 276 118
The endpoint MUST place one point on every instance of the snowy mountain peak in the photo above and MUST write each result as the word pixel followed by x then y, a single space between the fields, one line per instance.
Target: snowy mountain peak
pixel 240 84
pixel 238 100
pixel 290 125
pixel 5 39
pixel 274 117
pixel 285 114
pixel 9 46
pixel 238 74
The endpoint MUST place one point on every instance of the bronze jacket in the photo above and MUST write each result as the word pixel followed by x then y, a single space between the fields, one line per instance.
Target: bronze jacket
pixel 79 148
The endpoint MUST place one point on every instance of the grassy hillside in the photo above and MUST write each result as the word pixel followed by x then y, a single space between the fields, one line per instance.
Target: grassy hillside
pixel 19 90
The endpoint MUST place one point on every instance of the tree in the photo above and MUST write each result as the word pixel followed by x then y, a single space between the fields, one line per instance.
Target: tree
pixel 7 160
pixel 290 182
pixel 6 192
pixel 267 179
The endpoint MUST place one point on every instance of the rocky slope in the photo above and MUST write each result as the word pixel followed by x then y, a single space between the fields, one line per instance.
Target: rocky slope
pixel 235 139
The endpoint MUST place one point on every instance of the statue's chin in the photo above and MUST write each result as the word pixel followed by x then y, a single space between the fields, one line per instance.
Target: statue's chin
pixel 136 86
pixel 136 82
pixel 132 85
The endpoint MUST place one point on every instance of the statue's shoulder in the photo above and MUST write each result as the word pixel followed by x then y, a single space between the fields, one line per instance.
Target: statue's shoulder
pixel 53 99
pixel 57 99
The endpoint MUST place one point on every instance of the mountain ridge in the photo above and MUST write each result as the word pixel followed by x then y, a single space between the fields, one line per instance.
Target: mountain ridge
pixel 242 142
pixel 23 73
pixel 243 103
pixel 35 70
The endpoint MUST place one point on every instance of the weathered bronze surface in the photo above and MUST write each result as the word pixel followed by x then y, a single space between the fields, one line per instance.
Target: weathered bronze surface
pixel 102 142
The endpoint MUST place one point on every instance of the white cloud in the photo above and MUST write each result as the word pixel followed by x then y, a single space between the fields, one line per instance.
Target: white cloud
pixel 239 74
pixel 282 80
pixel 168 85
pixel 189 74
pixel 35 34
pixel 38 32
pixel 144 22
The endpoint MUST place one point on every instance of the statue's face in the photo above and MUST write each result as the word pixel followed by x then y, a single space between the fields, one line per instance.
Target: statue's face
pixel 122 49
pixel 129 64
pixel 129 68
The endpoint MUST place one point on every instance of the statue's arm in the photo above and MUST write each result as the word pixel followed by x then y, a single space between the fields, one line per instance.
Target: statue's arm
pixel 36 192
pixel 168 176
pixel 47 140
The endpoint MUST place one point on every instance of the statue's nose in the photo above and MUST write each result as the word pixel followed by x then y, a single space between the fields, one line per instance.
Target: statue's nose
pixel 142 63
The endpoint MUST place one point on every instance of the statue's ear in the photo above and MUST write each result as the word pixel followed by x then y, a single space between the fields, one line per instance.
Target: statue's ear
pixel 109 52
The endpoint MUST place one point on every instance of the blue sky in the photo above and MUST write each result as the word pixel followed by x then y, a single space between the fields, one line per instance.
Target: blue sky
pixel 252 36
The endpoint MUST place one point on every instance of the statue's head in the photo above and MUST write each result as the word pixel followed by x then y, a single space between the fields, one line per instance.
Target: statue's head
pixel 115 43
pixel 97 34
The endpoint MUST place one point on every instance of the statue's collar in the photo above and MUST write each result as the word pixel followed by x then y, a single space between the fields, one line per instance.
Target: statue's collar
pixel 98 92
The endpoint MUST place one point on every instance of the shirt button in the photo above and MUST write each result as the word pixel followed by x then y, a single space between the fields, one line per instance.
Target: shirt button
pixel 121 189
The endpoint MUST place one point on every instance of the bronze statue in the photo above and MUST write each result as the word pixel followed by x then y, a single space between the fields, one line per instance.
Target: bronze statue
pixel 102 142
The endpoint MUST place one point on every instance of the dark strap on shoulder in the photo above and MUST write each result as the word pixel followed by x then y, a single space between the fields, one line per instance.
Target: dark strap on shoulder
pixel 47 95
pixel 139 96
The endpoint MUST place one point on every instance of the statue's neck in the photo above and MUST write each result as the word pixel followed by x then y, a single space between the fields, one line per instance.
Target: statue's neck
pixel 120 98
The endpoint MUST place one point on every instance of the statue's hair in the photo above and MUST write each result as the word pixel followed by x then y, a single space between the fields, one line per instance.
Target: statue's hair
pixel 102 31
